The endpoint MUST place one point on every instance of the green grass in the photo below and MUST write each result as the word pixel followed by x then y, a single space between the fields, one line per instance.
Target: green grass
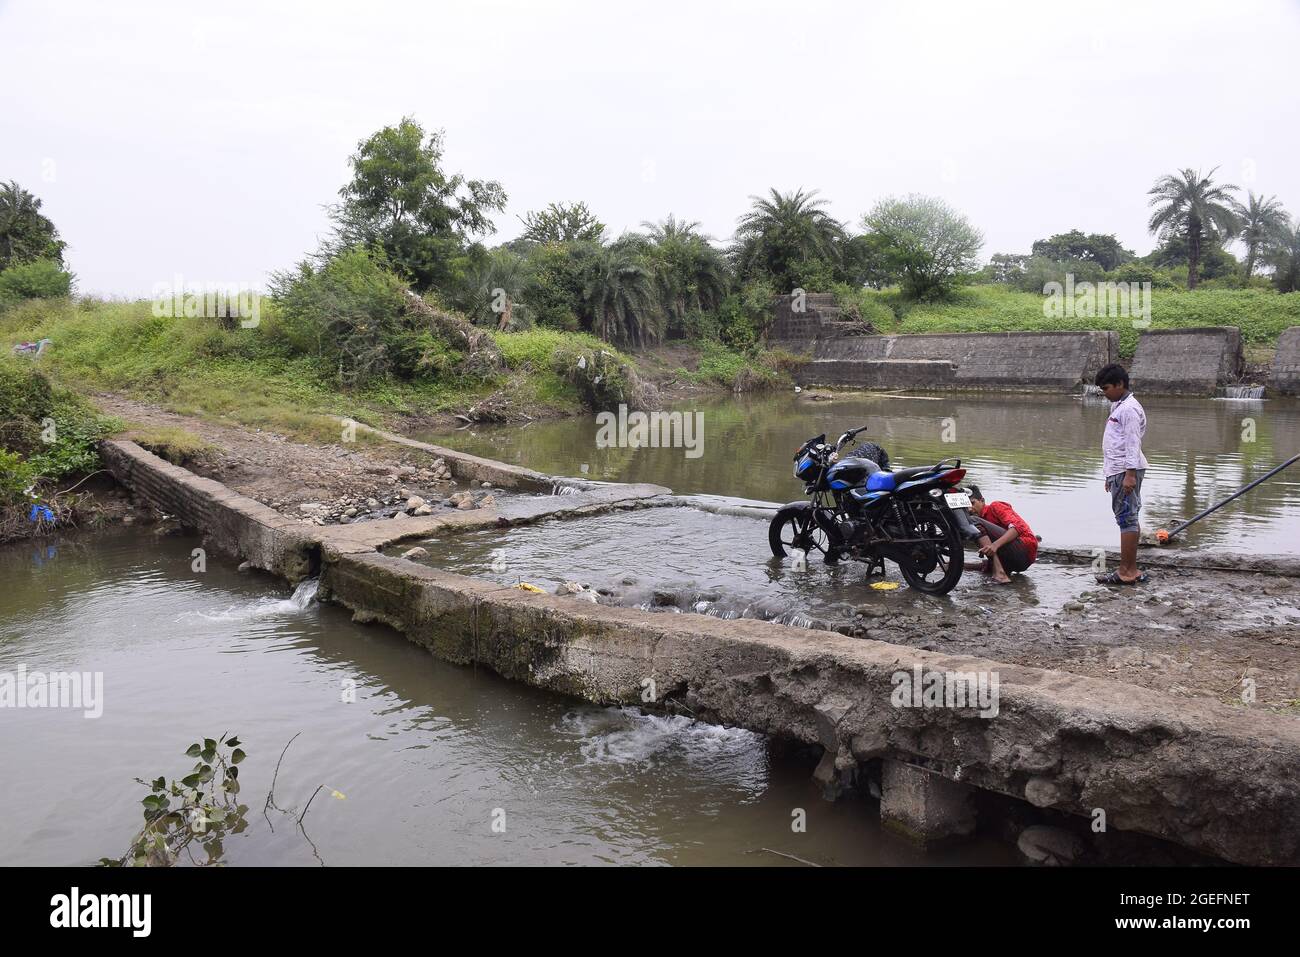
pixel 529 356
pixel 176 445
pixel 732 369
pixel 1261 315
pixel 248 376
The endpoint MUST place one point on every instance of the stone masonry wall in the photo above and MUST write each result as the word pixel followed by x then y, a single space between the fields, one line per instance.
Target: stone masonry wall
pixel 1186 361
pixel 1008 361
pixel 1285 378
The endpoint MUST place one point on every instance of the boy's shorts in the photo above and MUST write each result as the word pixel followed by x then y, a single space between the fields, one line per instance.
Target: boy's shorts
pixel 1125 507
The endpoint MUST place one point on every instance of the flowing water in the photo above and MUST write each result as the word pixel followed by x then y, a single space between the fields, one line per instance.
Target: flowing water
pixel 1042 453
pixel 685 560
pixel 427 757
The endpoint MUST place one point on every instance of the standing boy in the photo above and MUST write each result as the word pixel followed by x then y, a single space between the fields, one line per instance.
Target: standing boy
pixel 1123 465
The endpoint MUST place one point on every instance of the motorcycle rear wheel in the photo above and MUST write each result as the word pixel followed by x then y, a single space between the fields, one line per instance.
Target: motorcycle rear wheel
pixel 938 567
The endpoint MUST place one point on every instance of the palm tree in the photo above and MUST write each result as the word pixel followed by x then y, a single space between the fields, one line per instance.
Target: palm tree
pixel 618 297
pixel 670 228
pixel 1262 221
pixel 491 291
pixel 1193 207
pixel 25 233
pixel 782 231
pixel 1285 259
pixel 689 273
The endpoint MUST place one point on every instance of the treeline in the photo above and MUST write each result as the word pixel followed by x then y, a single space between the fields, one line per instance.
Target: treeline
pixel 405 222
pixel 403 214
pixel 1194 219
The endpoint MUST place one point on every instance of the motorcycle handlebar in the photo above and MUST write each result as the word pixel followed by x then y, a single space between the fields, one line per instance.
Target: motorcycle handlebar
pixel 848 435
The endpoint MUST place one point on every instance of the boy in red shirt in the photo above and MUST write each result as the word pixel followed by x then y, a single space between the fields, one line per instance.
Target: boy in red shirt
pixel 1006 540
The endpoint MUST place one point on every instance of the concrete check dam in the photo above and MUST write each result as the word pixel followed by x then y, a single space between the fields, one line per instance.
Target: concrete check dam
pixel 951 727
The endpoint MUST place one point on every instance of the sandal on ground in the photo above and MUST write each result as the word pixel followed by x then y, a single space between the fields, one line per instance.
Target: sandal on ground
pixel 1114 579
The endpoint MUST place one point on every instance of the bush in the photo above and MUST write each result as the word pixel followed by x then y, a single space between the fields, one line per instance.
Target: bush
pixel 42 279
pixel 45 433
pixel 743 371
pixel 350 314
pixel 744 316
pixel 863 305
pixel 603 377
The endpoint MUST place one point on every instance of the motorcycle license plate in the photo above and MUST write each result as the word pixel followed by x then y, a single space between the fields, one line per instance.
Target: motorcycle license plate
pixel 957 500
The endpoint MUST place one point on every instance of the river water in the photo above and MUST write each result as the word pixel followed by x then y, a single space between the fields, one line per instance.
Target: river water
pixel 427 756
pixel 1042 453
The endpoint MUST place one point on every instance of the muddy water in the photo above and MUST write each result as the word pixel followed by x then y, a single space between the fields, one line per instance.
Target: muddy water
pixel 1042 453
pixel 424 756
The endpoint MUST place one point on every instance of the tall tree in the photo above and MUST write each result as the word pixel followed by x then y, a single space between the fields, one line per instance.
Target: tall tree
pixel 782 234
pixel 1285 259
pixel 690 275
pixel 1102 249
pixel 1263 221
pixel 400 200
pixel 1193 207
pixel 931 244
pixel 562 223
pixel 26 234
pixel 618 297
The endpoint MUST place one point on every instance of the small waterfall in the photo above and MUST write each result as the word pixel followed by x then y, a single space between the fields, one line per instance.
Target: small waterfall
pixel 298 602
pixel 560 488
pixel 304 594
pixel 1243 392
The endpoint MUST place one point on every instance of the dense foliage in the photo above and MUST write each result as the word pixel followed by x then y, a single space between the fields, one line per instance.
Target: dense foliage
pixel 46 433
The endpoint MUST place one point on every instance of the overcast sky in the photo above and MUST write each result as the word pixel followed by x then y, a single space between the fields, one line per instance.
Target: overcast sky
pixel 204 139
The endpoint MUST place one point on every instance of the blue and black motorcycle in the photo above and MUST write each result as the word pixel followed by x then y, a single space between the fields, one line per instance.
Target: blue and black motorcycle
pixel 865 511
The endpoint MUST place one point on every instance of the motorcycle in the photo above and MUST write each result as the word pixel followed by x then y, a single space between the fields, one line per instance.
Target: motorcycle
pixel 859 510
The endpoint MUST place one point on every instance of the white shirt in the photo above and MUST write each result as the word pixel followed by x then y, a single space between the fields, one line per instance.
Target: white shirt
pixel 1121 446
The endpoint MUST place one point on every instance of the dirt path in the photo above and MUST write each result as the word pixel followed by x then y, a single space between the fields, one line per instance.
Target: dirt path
pixel 292 477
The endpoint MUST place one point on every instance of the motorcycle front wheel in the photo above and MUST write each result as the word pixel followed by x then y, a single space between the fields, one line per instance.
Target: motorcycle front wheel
pixel 936 566
pixel 795 527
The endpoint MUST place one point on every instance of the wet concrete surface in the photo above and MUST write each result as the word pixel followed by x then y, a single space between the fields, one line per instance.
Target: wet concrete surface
pixel 1190 632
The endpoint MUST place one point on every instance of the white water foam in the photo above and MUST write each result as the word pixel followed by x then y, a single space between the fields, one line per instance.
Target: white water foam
pixel 624 736
pixel 296 603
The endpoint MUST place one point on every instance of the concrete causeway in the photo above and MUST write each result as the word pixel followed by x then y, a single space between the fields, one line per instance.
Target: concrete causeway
pixel 1216 779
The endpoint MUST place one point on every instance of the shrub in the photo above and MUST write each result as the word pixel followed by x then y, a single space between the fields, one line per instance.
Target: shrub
pixel 350 314
pixel 603 377
pixel 45 433
pixel 42 279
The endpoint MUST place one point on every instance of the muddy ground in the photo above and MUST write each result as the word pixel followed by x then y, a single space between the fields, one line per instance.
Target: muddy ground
pixel 1188 632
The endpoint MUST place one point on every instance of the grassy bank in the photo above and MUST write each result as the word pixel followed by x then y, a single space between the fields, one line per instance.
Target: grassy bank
pixel 1261 315
pixel 197 366
pixel 48 437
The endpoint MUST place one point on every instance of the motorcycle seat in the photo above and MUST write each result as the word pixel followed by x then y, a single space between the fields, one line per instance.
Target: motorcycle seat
pixel 903 475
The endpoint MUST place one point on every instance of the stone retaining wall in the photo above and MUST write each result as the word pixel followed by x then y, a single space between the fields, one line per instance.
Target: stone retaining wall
pixel 1285 378
pixel 819 318
pixel 1186 361
pixel 234 524
pixel 1007 361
